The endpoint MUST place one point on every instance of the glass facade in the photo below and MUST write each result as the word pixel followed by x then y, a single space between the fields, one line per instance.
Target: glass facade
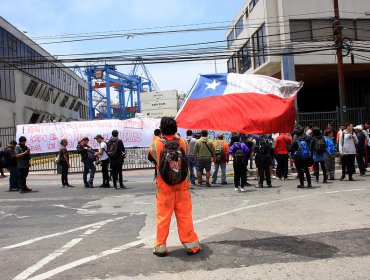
pixel 17 55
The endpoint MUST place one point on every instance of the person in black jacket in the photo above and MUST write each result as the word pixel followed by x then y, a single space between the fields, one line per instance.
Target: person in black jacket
pixel 88 159
pixel 12 166
pixel 360 149
pixel 263 155
pixel 302 164
pixel 116 152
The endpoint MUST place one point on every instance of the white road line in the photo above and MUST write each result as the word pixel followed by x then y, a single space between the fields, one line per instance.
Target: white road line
pixel 118 249
pixel 30 241
pixel 86 260
pixel 29 271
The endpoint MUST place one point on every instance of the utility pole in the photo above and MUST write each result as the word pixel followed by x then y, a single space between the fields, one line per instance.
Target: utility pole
pixel 339 47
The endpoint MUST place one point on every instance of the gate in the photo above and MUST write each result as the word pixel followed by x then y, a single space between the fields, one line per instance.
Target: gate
pixel 321 119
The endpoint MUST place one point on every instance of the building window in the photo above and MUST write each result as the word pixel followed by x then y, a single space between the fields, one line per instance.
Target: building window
pixel 72 104
pixel 349 29
pixel 300 30
pixel 230 38
pixel 231 65
pixel 64 77
pixel 245 61
pixel 239 26
pixel 34 118
pixel 259 46
pixel 56 98
pixel 252 4
pixel 31 88
pixel 322 30
pixel 363 30
pixel 64 102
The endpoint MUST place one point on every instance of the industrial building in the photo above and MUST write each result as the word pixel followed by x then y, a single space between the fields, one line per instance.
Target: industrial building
pixel 32 88
pixel 264 30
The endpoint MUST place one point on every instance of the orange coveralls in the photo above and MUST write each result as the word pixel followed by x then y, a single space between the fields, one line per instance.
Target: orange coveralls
pixel 173 198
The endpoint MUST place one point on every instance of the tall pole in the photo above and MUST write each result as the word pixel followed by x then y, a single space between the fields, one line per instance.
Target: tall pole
pixel 339 47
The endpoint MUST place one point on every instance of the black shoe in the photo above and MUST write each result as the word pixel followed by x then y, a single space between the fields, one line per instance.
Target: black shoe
pixel 122 186
pixel 114 186
pixel 247 184
pixel 87 186
pixel 69 186
pixel 342 178
pixel 161 255
pixel 269 186
pixel 91 184
pixel 332 178
pixel 225 183
pixel 259 186
pixel 191 253
pixel 325 181
pixel 13 189
pixel 309 185
pixel 350 179
pixel 300 186
pixel 193 182
pixel 27 189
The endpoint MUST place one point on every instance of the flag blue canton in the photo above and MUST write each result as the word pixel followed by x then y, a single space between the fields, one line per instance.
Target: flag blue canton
pixel 209 85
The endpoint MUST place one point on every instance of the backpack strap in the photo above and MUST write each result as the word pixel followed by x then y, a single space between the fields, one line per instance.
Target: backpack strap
pixel 205 143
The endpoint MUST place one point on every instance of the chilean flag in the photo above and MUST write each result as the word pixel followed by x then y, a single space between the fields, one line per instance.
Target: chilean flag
pixel 245 103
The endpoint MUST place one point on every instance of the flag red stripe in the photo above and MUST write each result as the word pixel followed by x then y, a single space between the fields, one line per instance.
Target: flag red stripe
pixel 246 113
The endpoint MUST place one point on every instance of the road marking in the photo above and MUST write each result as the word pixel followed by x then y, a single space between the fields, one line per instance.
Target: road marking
pixel 30 241
pixel 70 208
pixel 118 249
pixel 29 271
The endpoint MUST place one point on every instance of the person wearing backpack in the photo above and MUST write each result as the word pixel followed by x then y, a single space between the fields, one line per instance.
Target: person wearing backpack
pixel 347 150
pixel 172 189
pixel 330 138
pixel 239 151
pixel 263 158
pixel 116 154
pixel 204 152
pixel 300 152
pixel 360 149
pixel 11 165
pixel 220 159
pixel 318 150
pixel 88 158
pixel 281 148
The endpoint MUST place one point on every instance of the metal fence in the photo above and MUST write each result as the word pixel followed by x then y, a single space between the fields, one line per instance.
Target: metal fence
pixel 136 158
pixel 321 119
pixel 7 134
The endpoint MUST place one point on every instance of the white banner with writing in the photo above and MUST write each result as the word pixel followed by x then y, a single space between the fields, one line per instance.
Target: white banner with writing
pixel 45 137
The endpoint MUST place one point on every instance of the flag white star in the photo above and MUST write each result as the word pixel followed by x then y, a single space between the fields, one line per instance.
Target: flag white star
pixel 212 85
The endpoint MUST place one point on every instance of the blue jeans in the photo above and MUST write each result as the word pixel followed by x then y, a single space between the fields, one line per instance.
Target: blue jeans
pixel 13 178
pixel 88 165
pixel 223 172
pixel 192 165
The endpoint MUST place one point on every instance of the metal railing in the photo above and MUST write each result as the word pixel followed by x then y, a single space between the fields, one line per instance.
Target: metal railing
pixel 136 158
pixel 321 119
pixel 7 134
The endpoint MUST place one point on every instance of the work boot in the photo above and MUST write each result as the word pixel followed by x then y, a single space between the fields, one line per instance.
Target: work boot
pixel 342 177
pixel 191 253
pixel 160 254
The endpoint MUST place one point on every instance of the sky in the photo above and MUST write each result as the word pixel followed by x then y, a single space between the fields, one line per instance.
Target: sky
pixel 56 17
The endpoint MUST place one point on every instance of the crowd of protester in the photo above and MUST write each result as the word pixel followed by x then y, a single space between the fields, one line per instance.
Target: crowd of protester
pixel 307 148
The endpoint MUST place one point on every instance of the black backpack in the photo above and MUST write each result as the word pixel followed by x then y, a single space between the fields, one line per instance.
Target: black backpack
pixel 3 159
pixel 113 151
pixel 239 156
pixel 173 165
pixel 264 146
pixel 320 146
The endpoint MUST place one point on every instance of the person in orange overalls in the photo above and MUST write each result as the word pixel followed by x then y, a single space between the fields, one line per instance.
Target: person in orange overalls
pixel 172 198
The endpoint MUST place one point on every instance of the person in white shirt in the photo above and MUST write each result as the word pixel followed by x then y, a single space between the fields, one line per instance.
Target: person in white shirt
pixel 103 157
pixel 347 149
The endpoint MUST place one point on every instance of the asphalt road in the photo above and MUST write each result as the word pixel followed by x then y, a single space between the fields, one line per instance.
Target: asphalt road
pixel 277 233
